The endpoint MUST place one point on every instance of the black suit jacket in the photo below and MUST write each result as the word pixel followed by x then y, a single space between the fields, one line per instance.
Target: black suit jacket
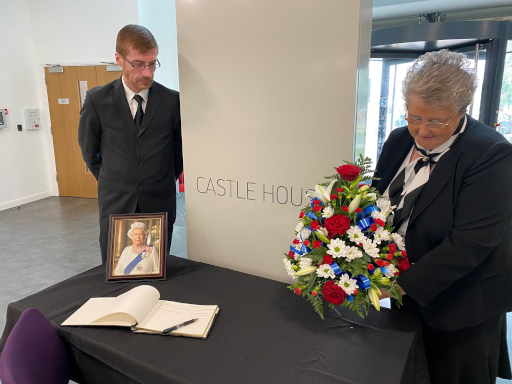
pixel 460 231
pixel 132 167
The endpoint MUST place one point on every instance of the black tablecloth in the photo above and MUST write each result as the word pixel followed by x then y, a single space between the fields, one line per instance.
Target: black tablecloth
pixel 263 334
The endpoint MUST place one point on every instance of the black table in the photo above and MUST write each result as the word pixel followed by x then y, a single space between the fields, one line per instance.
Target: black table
pixel 263 334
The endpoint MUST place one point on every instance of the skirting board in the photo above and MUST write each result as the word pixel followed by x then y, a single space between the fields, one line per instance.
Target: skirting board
pixel 24 200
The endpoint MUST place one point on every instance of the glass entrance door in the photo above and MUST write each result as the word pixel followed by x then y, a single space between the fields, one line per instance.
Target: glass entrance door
pixel 386 106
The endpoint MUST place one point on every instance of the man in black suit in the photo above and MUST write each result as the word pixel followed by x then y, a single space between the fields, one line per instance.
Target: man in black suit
pixel 130 136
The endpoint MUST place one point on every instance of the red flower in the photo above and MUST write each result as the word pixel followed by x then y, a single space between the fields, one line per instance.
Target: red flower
pixel 337 225
pixel 403 264
pixel 333 294
pixel 392 248
pixel 403 253
pixel 298 291
pixel 360 244
pixel 334 197
pixel 339 190
pixel 327 259
pixel 306 242
pixel 380 222
pixel 313 293
pixel 316 202
pixel 349 172
pixel 389 256
pixel 355 292
pixel 296 241
pixel 358 210
pixel 301 215
pixel 379 262
pixel 386 263
pixel 315 225
pixel 317 208
pixel 371 267
pixel 344 208
pixel 373 227
pixel 317 244
pixel 291 254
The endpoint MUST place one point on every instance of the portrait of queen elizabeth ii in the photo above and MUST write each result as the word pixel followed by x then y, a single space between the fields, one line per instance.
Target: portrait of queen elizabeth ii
pixel 139 258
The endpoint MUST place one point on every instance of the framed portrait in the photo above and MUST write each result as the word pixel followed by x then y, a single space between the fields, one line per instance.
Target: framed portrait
pixel 137 247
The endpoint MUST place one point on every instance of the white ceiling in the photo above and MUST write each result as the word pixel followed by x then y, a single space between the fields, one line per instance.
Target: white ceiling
pixel 387 9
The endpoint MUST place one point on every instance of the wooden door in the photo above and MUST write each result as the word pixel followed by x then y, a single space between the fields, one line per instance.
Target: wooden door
pixel 73 177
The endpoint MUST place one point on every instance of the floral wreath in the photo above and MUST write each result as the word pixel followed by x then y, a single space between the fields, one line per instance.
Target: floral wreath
pixel 345 250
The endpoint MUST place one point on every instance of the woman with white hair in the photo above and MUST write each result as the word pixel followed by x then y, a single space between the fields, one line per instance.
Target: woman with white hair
pixel 450 177
pixel 138 258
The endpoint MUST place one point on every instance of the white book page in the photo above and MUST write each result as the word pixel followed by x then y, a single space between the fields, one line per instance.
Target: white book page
pixel 166 314
pixel 92 310
pixel 137 302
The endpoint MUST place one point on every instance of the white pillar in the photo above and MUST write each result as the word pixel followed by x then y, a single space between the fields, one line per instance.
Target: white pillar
pixel 269 103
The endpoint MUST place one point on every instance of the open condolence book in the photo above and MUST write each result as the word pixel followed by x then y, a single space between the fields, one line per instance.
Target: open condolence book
pixel 141 309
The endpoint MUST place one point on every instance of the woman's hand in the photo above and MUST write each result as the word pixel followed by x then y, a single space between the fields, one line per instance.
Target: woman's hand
pixel 386 294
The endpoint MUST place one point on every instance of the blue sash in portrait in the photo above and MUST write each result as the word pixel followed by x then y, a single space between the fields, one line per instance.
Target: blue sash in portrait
pixel 133 263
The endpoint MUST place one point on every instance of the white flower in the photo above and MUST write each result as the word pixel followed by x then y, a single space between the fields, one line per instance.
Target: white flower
pixel 371 248
pixel 304 234
pixel 399 241
pixel 354 204
pixel 385 208
pixel 323 231
pixel 305 262
pixel 380 235
pixel 328 212
pixel 326 271
pixel 383 204
pixel 391 271
pixel 322 193
pixel 353 253
pixel 337 248
pixel 288 267
pixel 356 235
pixel 378 215
pixel 299 226
pixel 372 196
pixel 347 284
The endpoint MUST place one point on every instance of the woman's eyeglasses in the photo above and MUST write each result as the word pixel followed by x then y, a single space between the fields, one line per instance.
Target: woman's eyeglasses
pixel 139 66
pixel 431 123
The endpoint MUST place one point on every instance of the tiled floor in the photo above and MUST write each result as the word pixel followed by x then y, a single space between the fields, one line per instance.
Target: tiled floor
pixel 52 239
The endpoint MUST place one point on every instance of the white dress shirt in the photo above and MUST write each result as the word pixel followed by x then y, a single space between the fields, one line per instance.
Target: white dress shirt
pixel 131 101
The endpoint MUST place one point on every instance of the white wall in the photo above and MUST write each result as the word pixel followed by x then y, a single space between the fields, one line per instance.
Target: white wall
pixel 160 18
pixel 39 32
pixel 24 174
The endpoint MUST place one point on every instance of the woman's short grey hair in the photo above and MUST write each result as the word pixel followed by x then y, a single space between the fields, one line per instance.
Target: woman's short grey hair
pixel 441 79
pixel 138 225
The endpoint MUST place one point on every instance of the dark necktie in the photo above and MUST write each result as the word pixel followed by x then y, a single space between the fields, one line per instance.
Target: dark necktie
pixel 139 115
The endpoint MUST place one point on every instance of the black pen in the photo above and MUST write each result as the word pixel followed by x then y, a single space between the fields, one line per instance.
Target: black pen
pixel 175 327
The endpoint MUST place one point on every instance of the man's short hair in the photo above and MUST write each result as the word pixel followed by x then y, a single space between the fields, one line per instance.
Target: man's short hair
pixel 135 36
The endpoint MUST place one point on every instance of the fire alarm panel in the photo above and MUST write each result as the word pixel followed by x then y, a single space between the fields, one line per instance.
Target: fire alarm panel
pixel 32 119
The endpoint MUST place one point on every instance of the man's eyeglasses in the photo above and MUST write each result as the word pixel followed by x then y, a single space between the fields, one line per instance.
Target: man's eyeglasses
pixel 431 123
pixel 139 66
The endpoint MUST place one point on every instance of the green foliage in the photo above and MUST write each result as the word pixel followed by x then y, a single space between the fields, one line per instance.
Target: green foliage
pixel 317 303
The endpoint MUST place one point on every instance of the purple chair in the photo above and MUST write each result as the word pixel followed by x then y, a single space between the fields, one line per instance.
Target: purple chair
pixel 34 353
